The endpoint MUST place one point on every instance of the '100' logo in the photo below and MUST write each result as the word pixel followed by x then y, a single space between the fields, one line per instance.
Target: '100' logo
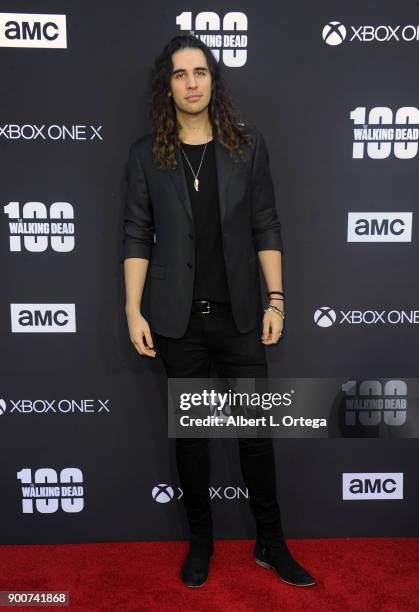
pixel 232 41
pixel 48 491
pixel 381 133
pixel 37 227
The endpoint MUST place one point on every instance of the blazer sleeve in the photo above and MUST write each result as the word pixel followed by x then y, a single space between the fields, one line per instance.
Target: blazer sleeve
pixel 266 225
pixel 138 225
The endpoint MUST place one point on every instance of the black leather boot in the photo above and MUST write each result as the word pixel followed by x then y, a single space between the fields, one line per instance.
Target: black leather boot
pixel 276 555
pixel 194 571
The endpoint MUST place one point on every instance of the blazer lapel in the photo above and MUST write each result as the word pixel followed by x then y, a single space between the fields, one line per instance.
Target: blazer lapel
pixel 224 167
pixel 179 179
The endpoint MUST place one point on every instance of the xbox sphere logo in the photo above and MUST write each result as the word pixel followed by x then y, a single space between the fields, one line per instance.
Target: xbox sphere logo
pixel 2 406
pixel 325 316
pixel 334 33
pixel 162 493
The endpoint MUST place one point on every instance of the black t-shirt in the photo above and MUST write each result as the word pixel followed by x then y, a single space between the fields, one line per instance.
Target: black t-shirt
pixel 210 281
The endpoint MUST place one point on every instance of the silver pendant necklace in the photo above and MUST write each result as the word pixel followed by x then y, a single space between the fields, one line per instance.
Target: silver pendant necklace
pixel 196 179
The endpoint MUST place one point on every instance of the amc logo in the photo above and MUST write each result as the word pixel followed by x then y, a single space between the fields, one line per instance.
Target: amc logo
pixel 374 485
pixel 34 31
pixel 43 318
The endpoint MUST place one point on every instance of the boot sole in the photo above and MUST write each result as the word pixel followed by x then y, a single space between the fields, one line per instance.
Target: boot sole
pixel 268 566
pixel 195 586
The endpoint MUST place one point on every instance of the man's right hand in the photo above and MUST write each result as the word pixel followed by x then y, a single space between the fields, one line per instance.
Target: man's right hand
pixel 140 334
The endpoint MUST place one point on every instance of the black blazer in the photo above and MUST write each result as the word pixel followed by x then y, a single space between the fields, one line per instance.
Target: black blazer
pixel 158 226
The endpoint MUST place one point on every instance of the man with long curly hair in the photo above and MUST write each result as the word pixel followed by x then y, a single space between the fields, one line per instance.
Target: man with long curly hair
pixel 200 212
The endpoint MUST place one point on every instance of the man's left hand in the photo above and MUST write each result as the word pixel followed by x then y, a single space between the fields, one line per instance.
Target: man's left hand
pixel 272 327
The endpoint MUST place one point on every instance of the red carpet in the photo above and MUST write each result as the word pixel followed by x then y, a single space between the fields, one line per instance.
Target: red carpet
pixel 374 574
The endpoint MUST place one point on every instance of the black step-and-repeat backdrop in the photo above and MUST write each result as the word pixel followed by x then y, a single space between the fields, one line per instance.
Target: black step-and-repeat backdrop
pixel 334 90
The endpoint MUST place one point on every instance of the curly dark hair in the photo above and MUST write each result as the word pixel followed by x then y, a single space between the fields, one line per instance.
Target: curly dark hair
pixel 223 116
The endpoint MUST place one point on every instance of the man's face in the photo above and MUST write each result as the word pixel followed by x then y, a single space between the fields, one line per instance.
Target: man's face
pixel 190 83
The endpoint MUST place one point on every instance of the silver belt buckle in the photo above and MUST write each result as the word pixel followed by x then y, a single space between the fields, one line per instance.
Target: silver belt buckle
pixel 208 307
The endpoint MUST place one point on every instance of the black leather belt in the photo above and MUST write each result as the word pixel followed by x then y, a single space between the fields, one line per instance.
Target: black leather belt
pixel 208 306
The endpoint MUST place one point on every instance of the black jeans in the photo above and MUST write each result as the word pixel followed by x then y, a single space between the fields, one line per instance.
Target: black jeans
pixel 215 338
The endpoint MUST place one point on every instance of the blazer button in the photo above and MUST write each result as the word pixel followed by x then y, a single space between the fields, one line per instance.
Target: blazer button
pixel 189 264
pixel 190 236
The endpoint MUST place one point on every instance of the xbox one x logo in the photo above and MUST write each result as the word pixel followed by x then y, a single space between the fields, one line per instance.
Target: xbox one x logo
pixel 162 493
pixel 325 316
pixel 2 406
pixel 334 33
